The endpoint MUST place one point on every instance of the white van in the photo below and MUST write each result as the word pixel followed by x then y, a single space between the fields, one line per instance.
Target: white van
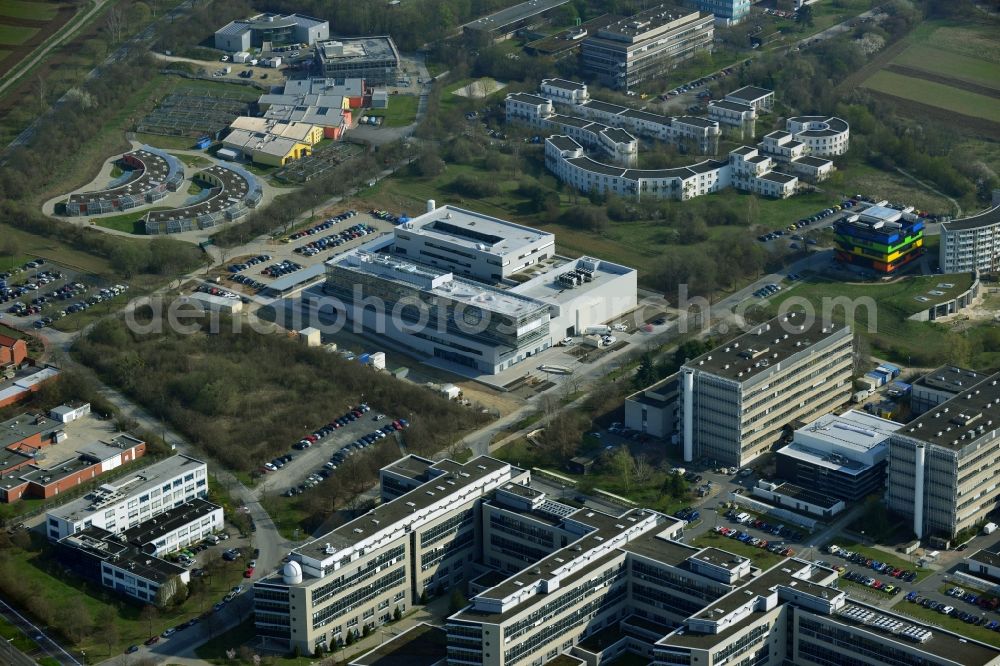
pixel 742 517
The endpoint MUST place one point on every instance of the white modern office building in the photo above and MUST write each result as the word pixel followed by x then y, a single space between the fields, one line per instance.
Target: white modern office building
pixel 632 50
pixel 839 455
pixel 788 151
pixel 471 244
pixel 475 291
pixel 942 466
pixel 132 499
pixel 940 385
pixel 732 404
pixel 971 243
pixel 242 34
pixel 552 583
pixel 742 117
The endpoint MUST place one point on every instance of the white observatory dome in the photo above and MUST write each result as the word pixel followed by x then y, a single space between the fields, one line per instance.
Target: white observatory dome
pixel 292 573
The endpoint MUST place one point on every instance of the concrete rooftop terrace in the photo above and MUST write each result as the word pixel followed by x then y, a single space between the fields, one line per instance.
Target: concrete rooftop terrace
pixel 766 346
pixel 971 417
pixel 453 478
pixel 474 230
pixel 438 282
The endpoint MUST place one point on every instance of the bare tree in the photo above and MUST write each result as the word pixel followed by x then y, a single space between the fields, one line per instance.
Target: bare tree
pixel 116 24
pixel 149 614
pixel 642 469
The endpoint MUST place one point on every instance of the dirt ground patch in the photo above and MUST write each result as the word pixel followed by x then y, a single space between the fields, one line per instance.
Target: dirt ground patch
pixel 479 89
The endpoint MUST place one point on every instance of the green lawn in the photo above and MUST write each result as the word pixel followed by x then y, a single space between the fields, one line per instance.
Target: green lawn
pixel 13 35
pixel 760 557
pixel 874 553
pixel 166 142
pixel 880 314
pixel 402 111
pixel 648 493
pixel 935 94
pixel 637 243
pixel 933 617
pixel 857 177
pixel 53 250
pixel 938 61
pixel 287 514
pixel 977 41
pixel 40 11
pixel 128 222
pixel 192 160
pixel 3 54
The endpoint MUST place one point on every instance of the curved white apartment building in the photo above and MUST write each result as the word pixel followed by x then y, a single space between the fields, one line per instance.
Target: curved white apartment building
pixel 824 135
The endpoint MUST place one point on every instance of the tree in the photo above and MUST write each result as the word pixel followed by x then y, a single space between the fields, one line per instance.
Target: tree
pixel 397 614
pixel 115 21
pixel 646 372
pixel 806 16
pixel 109 628
pixel 624 465
pixel 149 614
pixel 78 621
pixel 11 248
pixel 429 164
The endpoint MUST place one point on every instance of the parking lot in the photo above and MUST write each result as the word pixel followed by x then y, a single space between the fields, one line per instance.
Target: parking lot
pixel 38 293
pixel 249 274
pixel 320 452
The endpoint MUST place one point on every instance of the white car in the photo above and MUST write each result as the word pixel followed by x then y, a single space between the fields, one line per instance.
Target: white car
pixel 566 342
pixel 609 340
pixel 224 58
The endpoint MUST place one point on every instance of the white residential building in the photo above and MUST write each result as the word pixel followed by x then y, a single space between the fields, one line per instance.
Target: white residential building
pixel 971 243
pixel 825 136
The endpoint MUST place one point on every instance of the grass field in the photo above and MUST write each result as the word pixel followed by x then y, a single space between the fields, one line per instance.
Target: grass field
pixel 886 325
pixel 977 41
pixel 937 61
pixel 128 222
pixel 192 160
pixel 402 111
pixel 935 94
pixel 12 35
pixel 39 11
pixel 61 253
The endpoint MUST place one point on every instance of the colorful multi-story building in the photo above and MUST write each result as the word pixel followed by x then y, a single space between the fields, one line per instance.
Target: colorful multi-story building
pixel 879 238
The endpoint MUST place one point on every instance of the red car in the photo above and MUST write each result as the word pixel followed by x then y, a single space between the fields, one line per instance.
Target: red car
pixel 153 640
pixel 248 573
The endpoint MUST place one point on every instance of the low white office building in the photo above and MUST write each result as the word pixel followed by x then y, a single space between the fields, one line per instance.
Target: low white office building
pixel 471 244
pixel 132 499
pixel 842 456
pixel 473 290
